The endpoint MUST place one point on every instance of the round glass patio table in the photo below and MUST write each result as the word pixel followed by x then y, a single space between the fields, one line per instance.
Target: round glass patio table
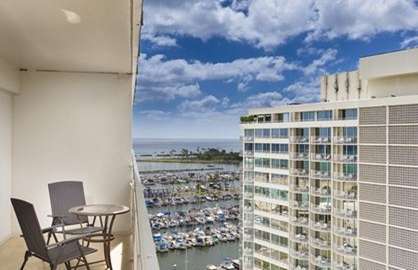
pixel 106 214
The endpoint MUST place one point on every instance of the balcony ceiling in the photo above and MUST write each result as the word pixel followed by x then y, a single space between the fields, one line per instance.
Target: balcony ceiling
pixel 67 35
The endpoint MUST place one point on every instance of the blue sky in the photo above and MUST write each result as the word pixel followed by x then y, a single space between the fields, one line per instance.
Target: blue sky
pixel 204 63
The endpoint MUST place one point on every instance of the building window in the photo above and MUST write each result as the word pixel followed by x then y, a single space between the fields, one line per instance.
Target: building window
pixel 348 114
pixel 279 163
pixel 324 115
pixel 279 148
pixel 249 133
pixel 307 116
pixel 262 162
pixel 281 117
pixel 279 133
pixel 350 132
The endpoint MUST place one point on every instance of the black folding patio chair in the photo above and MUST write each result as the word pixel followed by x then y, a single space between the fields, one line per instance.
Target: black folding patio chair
pixel 63 196
pixel 55 254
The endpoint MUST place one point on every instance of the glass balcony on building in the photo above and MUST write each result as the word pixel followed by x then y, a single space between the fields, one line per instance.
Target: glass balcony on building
pixel 281 117
pixel 322 259
pixel 299 218
pixel 321 205
pixel 345 135
pixel 299 251
pixel 345 228
pixel 299 135
pixel 321 136
pixel 299 184
pixel 299 201
pixel 345 213
pixel 321 223
pixel 345 191
pixel 320 174
pixel 345 246
pixel 320 188
pixel 280 179
pixel 347 114
pixel 300 168
pixel 299 234
pixel 320 240
pixel 344 264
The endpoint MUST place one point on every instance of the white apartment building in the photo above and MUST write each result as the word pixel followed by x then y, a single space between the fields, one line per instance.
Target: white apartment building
pixel 334 185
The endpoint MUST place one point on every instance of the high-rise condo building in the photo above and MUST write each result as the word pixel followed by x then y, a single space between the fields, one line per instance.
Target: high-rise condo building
pixel 334 184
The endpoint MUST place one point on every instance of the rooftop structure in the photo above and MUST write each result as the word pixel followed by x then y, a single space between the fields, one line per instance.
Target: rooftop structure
pixel 331 185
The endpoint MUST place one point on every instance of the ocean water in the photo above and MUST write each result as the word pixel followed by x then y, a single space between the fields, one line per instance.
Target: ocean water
pixel 154 146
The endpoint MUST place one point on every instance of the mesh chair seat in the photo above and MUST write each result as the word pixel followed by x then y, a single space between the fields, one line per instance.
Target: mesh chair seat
pixel 84 230
pixel 68 252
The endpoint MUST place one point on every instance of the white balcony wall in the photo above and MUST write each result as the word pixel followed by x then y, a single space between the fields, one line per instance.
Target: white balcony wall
pixel 5 163
pixel 9 84
pixel 72 126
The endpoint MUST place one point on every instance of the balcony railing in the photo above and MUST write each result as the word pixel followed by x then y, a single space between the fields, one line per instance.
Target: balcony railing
pixel 345 195
pixel 299 205
pixel 300 238
pixel 299 221
pixel 300 172
pixel 321 156
pixel 300 189
pixel 299 139
pixel 321 209
pixel 345 158
pixel 345 176
pixel 347 249
pixel 321 226
pixel 347 213
pixel 320 174
pixel 321 244
pixel 345 232
pixel 299 254
pixel 321 261
pixel 299 156
pixel 345 139
pixel 144 255
pixel 321 140
pixel 324 191
pixel 344 266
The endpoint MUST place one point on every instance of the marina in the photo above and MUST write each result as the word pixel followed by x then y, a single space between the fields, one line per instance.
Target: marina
pixel 194 217
pixel 194 214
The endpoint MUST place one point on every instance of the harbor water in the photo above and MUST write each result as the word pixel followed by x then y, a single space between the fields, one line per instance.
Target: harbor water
pixel 196 258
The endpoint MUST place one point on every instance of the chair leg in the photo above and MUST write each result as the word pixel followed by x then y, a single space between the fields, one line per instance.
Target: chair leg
pixel 85 262
pixel 27 255
pixel 68 265
pixel 53 266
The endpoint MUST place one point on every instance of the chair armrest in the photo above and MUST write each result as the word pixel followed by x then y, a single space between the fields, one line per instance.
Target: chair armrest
pixel 68 240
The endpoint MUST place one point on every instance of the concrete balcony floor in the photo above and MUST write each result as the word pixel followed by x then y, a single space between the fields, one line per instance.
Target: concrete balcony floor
pixel 13 250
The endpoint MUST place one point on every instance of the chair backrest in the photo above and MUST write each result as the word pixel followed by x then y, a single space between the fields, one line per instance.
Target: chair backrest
pixel 65 195
pixel 31 230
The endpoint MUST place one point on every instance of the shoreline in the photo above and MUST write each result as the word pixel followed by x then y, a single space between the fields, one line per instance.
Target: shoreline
pixel 234 162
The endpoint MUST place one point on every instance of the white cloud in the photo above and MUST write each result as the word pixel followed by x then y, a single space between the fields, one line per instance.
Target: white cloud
pixel 157 69
pixel 167 92
pixel 410 42
pixel 160 40
pixel 362 19
pixel 269 23
pixel 154 114
pixel 160 78
pixel 317 64
pixel 206 104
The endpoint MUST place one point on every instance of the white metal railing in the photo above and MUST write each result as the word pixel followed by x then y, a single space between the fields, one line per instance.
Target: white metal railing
pixel 320 139
pixel 345 158
pixel 144 252
pixel 345 139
